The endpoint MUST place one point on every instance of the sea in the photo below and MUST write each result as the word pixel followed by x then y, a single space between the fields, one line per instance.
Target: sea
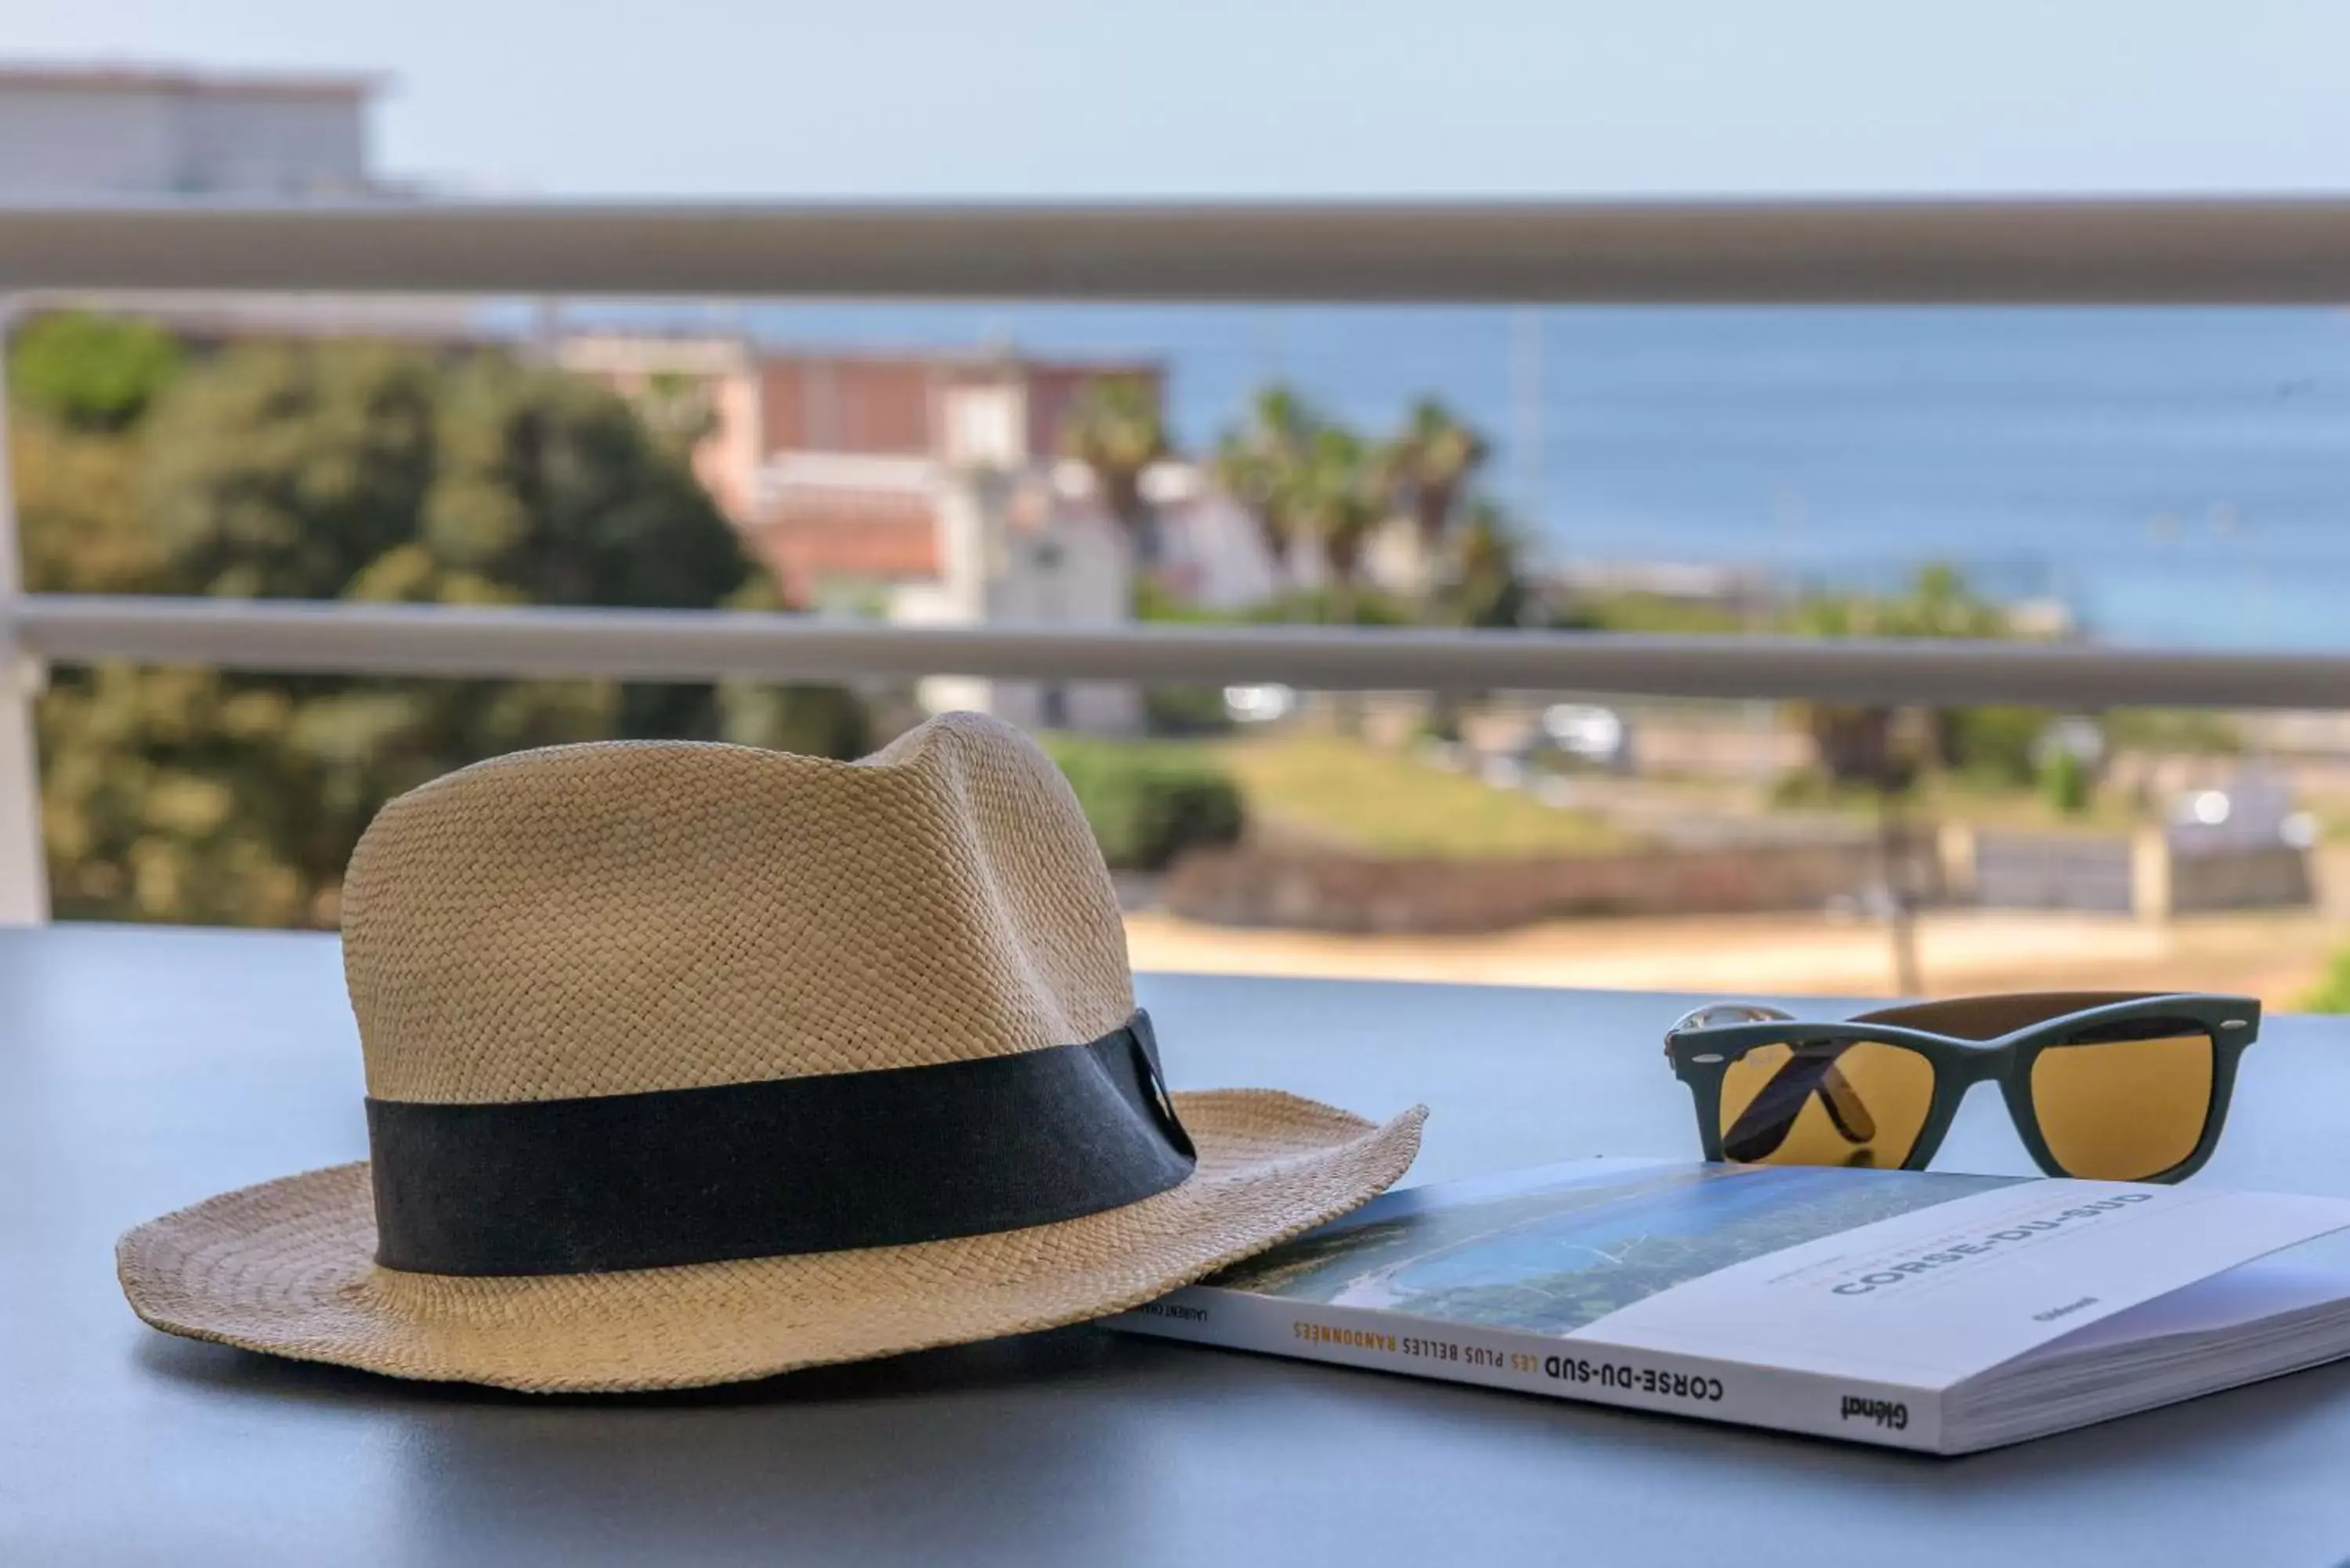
pixel 2172 476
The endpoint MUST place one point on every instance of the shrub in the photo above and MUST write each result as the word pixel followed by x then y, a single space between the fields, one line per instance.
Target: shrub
pixel 1147 803
pixel 1804 786
pixel 2332 992
pixel 1350 606
pixel 1185 711
pixel 2000 746
pixel 91 372
pixel 2174 730
pixel 2064 779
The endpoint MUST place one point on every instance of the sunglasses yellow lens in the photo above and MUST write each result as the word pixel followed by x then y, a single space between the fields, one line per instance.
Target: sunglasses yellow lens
pixel 1855 1103
pixel 2123 1109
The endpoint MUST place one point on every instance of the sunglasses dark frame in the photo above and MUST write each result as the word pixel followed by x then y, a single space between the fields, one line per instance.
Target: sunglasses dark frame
pixel 1969 1041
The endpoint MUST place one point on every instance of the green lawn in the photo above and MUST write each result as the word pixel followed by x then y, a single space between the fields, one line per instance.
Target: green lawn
pixel 1333 789
pixel 1379 801
pixel 1953 797
pixel 2015 810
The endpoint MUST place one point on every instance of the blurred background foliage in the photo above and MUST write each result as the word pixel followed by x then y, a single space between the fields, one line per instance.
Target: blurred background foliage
pixel 384 472
pixel 1148 803
pixel 338 471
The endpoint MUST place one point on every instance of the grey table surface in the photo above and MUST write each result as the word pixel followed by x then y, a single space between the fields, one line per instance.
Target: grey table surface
pixel 140 1070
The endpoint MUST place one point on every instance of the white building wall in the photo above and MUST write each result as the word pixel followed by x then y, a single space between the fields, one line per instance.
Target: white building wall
pixel 287 144
pixel 987 423
pixel 96 133
pixel 58 141
pixel 1210 545
pixel 968 501
pixel 1061 569
pixel 1219 552
pixel 1394 560
pixel 1069 571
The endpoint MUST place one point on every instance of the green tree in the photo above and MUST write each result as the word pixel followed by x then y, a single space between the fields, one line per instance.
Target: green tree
pixel 814 720
pixel 77 493
pixel 1309 481
pixel 682 408
pixel 1429 468
pixel 2332 992
pixel 89 371
pixel 362 472
pixel 286 471
pixel 1483 582
pixel 1994 744
pixel 1868 743
pixel 1263 464
pixel 2064 778
pixel 1340 499
pixel 1479 585
pixel 1116 430
pixel 381 473
pixel 1871 744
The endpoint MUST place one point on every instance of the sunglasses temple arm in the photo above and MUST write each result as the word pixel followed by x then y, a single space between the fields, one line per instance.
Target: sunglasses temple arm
pixel 1767 1119
pixel 1844 1108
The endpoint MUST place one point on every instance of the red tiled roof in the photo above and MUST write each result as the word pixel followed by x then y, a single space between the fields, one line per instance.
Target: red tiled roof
pixel 812 534
pixel 888 404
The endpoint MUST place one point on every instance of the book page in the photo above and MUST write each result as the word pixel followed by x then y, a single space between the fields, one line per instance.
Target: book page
pixel 1931 1297
pixel 2259 1292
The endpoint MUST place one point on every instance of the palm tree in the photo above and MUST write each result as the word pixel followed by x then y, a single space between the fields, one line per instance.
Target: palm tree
pixel 1340 499
pixel 1869 744
pixel 1428 469
pixel 1116 430
pixel 1263 465
pixel 1478 584
pixel 1483 584
pixel 1865 744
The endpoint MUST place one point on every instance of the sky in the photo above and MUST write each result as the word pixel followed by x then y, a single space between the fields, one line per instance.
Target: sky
pixel 1074 98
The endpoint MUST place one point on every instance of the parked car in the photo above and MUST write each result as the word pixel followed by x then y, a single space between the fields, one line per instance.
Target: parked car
pixel 2255 808
pixel 1587 734
pixel 1260 704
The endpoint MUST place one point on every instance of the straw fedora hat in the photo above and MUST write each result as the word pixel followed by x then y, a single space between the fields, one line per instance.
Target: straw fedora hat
pixel 689 1063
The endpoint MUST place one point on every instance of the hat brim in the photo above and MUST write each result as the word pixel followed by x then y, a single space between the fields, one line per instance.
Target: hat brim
pixel 287 1268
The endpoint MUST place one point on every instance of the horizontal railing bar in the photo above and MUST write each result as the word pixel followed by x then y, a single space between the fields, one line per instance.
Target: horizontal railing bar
pixel 689 645
pixel 2050 251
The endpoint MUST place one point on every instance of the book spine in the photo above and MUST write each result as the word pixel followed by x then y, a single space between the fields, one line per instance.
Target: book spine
pixel 1577 1367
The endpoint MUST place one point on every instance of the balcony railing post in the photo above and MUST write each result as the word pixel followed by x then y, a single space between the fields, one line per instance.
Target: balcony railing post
pixel 24 873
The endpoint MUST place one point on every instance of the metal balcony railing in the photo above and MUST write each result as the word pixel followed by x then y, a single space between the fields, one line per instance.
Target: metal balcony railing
pixel 2036 252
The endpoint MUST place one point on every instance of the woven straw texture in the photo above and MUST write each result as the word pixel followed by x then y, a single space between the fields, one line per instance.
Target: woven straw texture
pixel 611 918
pixel 615 918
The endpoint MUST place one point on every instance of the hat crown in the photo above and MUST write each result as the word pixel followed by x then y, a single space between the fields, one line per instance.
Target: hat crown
pixel 627 917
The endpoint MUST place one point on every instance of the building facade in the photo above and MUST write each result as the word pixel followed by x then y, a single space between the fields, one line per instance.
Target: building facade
pixel 80 131
pixel 931 490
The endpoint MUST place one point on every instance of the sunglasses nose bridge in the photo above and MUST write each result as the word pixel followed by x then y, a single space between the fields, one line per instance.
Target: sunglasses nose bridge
pixel 1957 1079
pixel 1967 1069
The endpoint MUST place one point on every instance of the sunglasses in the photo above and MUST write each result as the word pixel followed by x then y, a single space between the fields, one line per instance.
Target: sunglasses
pixel 2114 1086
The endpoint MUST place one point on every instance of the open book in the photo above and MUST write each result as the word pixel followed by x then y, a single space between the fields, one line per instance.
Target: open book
pixel 1914 1309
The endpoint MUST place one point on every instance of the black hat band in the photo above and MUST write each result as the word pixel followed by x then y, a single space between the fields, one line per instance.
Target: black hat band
pixel 821 1164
